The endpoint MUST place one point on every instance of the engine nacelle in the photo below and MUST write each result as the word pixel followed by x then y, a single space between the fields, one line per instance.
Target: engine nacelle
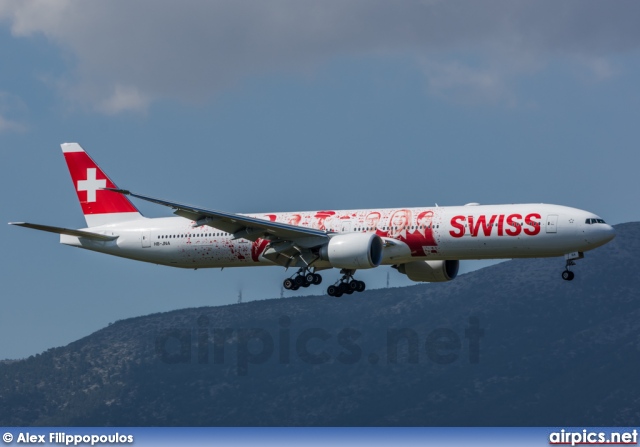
pixel 353 251
pixel 430 271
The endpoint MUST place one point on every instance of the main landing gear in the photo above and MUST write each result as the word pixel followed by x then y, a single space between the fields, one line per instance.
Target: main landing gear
pixel 303 278
pixel 567 274
pixel 347 284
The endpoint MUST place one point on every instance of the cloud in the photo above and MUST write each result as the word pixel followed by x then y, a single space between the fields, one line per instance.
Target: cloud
pixel 467 85
pixel 600 69
pixel 123 99
pixel 127 54
pixel 11 105
pixel 7 125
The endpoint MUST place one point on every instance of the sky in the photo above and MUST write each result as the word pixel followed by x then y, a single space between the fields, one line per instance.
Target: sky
pixel 286 105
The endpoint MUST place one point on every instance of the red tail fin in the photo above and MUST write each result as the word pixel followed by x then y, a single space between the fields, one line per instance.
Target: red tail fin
pixel 100 207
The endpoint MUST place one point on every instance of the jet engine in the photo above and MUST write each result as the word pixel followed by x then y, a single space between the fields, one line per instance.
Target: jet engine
pixel 430 271
pixel 353 251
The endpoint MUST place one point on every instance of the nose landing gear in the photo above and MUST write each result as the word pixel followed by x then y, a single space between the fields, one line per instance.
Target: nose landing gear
pixel 347 284
pixel 567 274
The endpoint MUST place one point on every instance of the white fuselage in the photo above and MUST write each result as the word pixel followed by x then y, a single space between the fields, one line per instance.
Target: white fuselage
pixel 410 234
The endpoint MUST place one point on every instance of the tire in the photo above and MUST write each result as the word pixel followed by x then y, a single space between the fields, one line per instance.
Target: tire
pixel 332 290
pixel 567 275
pixel 317 279
pixel 310 278
pixel 299 280
pixel 288 284
pixel 353 285
pixel 361 286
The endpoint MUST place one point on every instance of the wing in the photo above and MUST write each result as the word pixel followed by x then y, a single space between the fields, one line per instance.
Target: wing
pixel 287 243
pixel 70 232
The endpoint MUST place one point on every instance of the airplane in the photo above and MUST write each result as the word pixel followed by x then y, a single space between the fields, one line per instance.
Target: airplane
pixel 425 244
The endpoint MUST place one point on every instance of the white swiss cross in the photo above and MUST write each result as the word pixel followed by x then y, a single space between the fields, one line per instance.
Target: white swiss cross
pixel 91 184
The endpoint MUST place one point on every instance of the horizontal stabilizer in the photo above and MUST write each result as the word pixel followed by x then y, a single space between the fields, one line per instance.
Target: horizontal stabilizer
pixel 70 232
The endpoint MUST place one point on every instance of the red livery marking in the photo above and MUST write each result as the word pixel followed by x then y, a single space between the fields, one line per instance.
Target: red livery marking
pixel 535 225
pixel 484 225
pixel 88 179
pixel 501 225
pixel 459 226
pixel 515 226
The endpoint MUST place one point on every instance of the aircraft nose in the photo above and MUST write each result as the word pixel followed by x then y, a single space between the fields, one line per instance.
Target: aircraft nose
pixel 608 233
pixel 602 234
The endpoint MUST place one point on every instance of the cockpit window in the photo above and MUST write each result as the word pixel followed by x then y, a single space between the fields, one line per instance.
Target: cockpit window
pixel 593 221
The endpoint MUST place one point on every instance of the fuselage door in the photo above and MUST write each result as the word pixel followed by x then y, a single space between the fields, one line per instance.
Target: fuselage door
pixel 146 239
pixel 552 223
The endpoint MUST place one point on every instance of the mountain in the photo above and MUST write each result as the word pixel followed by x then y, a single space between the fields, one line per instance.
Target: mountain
pixel 509 345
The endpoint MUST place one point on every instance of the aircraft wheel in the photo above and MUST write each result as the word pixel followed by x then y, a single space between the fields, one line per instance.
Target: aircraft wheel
pixel 353 285
pixel 361 286
pixel 305 283
pixel 567 275
pixel 317 279
pixel 299 280
pixel 310 278
pixel 332 290
pixel 295 287
pixel 343 287
pixel 288 284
